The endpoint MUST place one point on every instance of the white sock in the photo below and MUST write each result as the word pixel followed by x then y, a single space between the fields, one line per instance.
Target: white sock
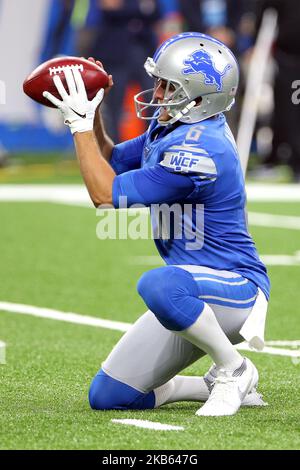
pixel 207 335
pixel 181 388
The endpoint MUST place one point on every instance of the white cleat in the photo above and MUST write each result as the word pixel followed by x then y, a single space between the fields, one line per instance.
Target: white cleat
pixel 253 398
pixel 229 390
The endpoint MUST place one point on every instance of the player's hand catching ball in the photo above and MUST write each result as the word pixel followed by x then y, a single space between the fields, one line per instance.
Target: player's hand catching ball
pixel 77 110
pixel 110 79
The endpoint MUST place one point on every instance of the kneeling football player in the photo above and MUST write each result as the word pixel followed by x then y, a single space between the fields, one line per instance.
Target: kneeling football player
pixel 212 293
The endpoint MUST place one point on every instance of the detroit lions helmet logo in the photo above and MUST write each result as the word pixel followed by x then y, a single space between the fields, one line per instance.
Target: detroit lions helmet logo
pixel 201 62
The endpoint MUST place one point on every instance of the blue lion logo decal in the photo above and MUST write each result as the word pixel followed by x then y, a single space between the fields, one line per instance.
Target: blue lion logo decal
pixel 201 62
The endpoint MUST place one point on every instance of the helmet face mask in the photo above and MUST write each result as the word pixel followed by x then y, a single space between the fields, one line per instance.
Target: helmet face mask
pixel 174 99
pixel 195 66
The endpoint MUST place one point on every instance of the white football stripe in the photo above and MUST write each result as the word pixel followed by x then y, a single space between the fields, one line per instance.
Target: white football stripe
pixel 145 424
pixel 113 325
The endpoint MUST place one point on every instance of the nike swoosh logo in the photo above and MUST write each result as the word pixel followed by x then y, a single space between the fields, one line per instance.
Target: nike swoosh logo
pixel 83 116
pixel 242 392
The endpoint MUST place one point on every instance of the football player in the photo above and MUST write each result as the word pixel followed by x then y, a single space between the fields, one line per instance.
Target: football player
pixel 210 294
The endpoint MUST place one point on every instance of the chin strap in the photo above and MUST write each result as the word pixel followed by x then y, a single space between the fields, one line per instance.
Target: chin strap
pixel 179 115
pixel 230 106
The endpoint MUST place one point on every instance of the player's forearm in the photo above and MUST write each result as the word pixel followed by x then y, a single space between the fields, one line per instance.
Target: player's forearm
pixel 96 172
pixel 104 141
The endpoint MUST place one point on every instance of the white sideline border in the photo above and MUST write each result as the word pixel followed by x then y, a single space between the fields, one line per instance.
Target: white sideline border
pixel 71 317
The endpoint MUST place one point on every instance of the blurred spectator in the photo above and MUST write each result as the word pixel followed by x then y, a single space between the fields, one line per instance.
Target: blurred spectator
pixel 87 31
pixel 125 34
pixel 59 34
pixel 218 18
pixel 3 155
pixel 286 116
pixel 229 21
pixel 171 22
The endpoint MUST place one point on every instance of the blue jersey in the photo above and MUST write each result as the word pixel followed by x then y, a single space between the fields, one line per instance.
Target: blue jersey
pixel 195 166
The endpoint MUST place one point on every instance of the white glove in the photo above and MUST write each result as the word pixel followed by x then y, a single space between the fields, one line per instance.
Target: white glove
pixel 77 110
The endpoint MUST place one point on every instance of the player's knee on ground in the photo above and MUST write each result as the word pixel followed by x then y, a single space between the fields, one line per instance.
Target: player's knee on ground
pixel 107 393
pixel 172 295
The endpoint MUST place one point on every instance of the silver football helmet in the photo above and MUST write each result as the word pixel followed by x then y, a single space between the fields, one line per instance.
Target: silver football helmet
pixel 194 66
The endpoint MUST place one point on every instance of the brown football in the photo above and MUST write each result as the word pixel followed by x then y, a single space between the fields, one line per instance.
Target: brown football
pixel 41 79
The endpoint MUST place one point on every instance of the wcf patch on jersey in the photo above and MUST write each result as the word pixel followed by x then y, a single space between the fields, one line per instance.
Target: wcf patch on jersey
pixel 184 161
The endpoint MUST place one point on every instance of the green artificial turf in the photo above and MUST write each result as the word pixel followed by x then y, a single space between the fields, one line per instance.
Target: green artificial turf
pixel 51 257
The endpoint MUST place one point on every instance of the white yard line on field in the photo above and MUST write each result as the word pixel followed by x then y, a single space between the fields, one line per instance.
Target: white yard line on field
pixel 292 343
pixel 74 194
pixel 281 260
pixel 145 424
pixel 71 317
pixel 2 352
pixel 257 192
pixel 261 219
pixel 269 350
pixel 77 193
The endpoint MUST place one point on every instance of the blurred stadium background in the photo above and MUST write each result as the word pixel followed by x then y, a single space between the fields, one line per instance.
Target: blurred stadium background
pixel 52 259
pixel 122 33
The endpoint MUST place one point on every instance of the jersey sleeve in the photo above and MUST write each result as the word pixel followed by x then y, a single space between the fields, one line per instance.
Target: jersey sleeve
pixel 154 185
pixel 127 155
pixel 194 154
pixel 186 170
pixel 192 160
